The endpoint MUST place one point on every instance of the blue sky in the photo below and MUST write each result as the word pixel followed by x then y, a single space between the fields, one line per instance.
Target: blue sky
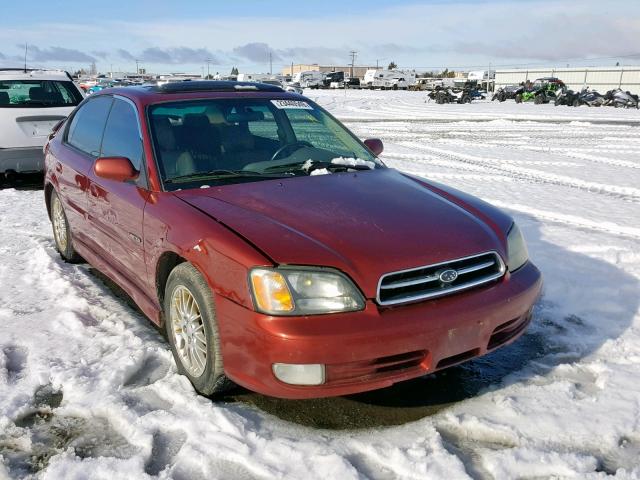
pixel 180 36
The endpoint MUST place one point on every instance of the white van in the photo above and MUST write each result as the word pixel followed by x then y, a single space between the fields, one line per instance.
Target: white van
pixel 255 77
pixel 389 79
pixel 32 102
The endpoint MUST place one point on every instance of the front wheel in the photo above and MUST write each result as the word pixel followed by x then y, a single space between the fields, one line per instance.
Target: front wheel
pixel 61 231
pixel 192 330
pixel 518 98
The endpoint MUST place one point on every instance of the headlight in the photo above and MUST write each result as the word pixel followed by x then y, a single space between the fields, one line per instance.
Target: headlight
pixel 293 291
pixel 517 248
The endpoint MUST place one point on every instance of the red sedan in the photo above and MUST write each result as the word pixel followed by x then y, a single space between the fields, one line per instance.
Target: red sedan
pixel 274 247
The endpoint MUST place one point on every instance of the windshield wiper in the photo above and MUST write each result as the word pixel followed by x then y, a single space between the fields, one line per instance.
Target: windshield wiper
pixel 218 174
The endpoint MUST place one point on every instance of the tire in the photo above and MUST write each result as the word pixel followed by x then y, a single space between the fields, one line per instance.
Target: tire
pixel 518 98
pixel 205 369
pixel 576 103
pixel 539 99
pixel 466 99
pixel 61 230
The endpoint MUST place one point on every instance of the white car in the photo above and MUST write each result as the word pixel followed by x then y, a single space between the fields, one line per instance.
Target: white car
pixel 32 102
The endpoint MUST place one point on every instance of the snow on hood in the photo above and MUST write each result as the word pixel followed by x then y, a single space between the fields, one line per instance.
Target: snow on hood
pixel 348 162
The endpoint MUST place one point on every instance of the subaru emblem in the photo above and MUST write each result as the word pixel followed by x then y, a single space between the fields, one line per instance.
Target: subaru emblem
pixel 448 276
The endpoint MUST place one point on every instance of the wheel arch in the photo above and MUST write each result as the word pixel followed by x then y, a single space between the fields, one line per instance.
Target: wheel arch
pixel 48 189
pixel 166 263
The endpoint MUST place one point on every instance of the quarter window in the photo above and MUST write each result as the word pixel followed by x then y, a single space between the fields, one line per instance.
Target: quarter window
pixel 121 135
pixel 87 125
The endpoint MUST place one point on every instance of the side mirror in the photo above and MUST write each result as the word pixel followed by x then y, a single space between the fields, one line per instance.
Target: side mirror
pixel 375 145
pixel 119 169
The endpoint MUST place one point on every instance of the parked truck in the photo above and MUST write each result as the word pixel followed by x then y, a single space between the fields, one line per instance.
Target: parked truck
pixel 389 79
pixel 309 79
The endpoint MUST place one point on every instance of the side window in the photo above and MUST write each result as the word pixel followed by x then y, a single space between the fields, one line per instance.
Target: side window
pixel 121 135
pixel 87 125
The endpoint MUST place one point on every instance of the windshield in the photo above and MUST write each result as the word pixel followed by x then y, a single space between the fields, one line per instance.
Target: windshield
pixel 38 94
pixel 211 142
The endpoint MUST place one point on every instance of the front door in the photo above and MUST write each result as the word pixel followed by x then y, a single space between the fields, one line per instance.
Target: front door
pixel 116 209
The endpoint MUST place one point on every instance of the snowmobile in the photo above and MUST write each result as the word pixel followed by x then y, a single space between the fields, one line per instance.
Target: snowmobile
pixel 567 97
pixel 621 99
pixel 591 98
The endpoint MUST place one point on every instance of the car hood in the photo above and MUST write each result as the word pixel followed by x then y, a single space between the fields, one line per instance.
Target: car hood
pixel 365 224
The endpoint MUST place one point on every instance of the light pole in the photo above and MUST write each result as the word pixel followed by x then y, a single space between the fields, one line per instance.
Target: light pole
pixel 353 54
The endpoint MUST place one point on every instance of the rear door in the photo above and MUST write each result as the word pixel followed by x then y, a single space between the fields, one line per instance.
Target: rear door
pixel 116 209
pixel 73 158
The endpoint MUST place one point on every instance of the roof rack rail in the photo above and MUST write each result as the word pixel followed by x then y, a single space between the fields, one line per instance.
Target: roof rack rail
pixel 214 86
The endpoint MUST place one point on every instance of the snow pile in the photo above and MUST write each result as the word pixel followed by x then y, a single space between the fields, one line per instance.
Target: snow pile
pixel 88 388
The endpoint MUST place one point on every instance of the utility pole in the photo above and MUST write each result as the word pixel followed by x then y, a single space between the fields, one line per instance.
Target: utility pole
pixel 353 54
pixel 270 64
pixel 208 69
pixel 137 69
pixel 25 57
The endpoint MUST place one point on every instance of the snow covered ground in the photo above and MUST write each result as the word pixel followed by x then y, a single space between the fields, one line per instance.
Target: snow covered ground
pixel 88 388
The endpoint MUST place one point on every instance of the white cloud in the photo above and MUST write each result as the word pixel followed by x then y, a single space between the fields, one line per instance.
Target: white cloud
pixel 441 34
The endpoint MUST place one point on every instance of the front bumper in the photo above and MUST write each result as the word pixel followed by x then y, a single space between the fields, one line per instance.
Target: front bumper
pixel 376 347
pixel 21 160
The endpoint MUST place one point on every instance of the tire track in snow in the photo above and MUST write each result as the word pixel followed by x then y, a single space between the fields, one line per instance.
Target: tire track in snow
pixel 607 227
pixel 629 193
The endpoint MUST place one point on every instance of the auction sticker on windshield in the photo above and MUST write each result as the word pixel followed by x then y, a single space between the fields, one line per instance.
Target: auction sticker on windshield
pixel 297 104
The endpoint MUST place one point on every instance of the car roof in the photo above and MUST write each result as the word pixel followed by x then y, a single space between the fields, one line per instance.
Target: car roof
pixel 33 74
pixel 198 90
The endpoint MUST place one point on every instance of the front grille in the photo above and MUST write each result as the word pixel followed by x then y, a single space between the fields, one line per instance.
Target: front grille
pixel 439 279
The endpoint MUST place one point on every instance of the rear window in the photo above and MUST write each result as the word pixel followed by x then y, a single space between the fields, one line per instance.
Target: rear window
pixel 38 94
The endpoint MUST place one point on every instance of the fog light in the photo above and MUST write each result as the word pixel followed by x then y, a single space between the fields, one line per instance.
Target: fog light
pixel 310 374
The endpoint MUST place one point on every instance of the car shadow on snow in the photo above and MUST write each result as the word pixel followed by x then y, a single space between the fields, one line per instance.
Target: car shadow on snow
pixel 585 303
pixel 23 181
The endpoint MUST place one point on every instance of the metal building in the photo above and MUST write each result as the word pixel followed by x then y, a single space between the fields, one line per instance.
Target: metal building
pixel 358 71
pixel 596 78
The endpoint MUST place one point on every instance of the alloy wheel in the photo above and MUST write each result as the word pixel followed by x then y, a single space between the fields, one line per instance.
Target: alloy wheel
pixel 59 224
pixel 187 327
